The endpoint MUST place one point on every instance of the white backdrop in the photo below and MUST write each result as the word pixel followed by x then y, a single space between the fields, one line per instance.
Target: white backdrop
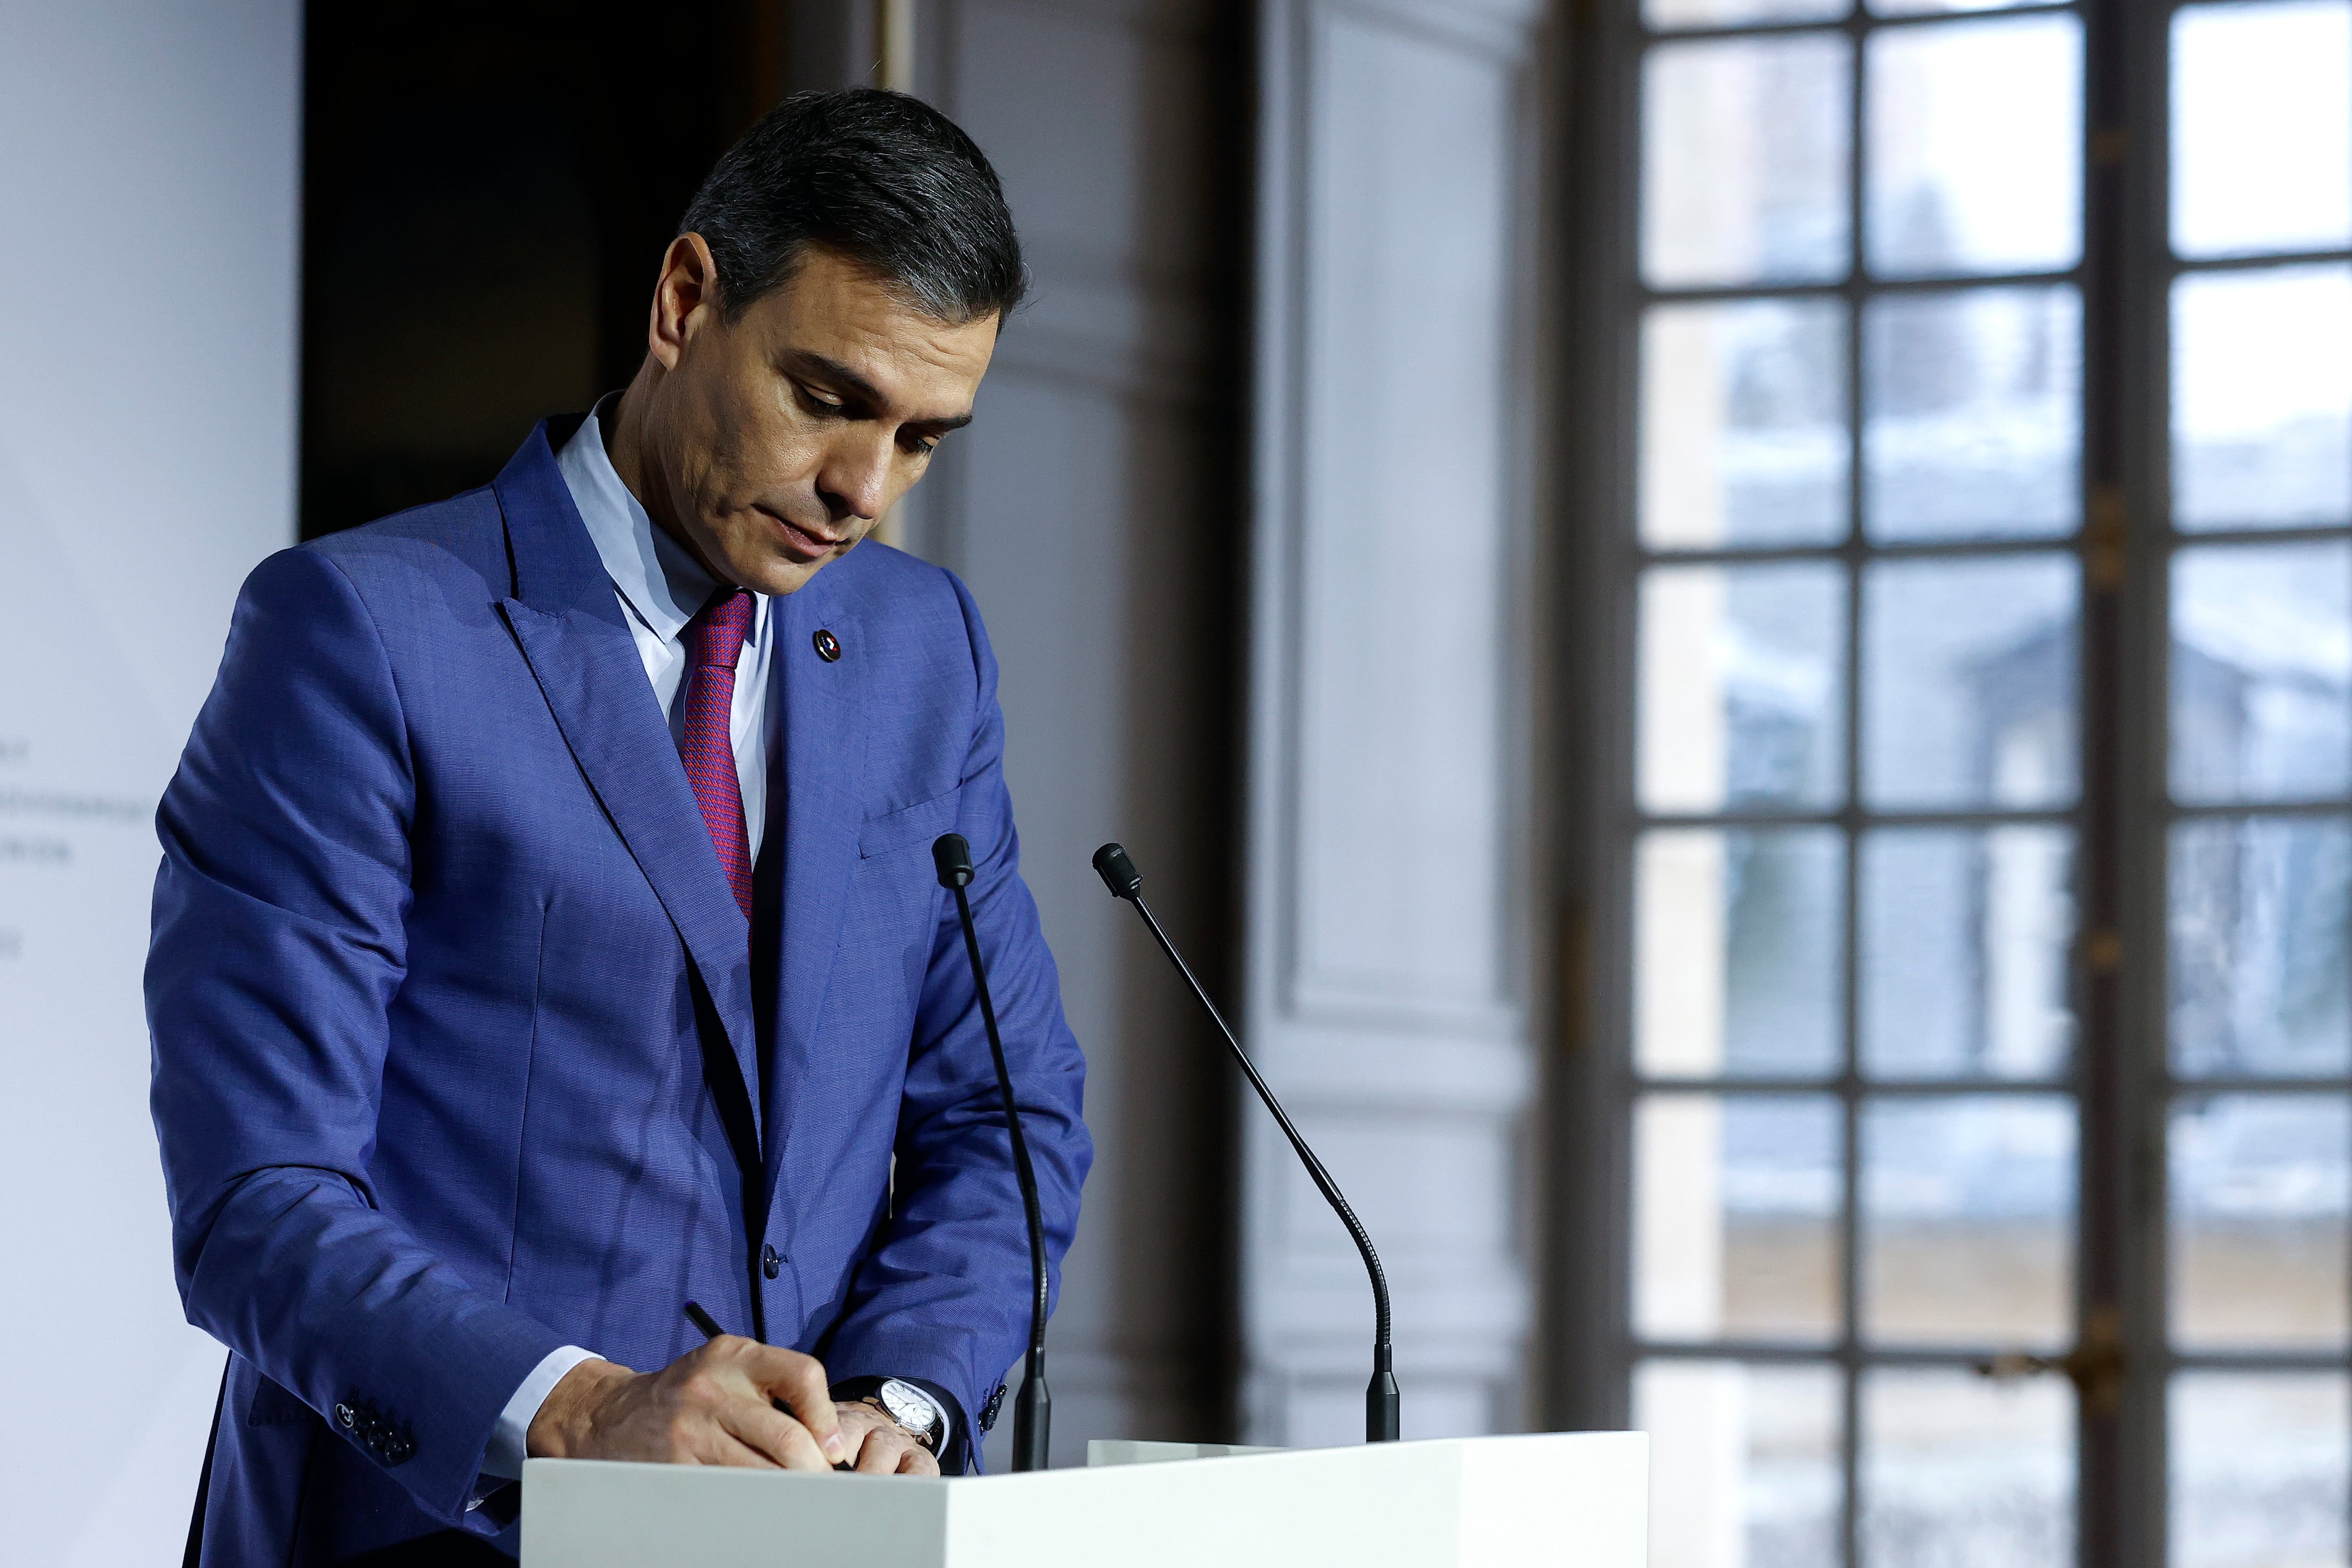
pixel 150 158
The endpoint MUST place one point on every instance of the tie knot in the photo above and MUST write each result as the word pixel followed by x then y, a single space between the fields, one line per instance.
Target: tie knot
pixel 715 636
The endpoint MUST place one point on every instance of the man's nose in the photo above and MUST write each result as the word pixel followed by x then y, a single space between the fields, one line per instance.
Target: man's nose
pixel 856 476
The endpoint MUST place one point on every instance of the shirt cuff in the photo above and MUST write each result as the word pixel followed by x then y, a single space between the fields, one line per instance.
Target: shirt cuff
pixel 509 1439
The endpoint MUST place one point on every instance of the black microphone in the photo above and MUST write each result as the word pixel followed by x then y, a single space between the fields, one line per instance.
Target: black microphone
pixel 1032 1407
pixel 1381 1415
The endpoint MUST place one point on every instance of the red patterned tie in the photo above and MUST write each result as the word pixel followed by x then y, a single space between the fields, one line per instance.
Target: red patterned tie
pixel 713 640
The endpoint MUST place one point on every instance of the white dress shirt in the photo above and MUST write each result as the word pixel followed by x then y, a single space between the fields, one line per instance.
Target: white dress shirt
pixel 661 588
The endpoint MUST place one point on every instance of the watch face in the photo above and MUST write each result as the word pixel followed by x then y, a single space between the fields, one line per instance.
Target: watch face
pixel 908 1407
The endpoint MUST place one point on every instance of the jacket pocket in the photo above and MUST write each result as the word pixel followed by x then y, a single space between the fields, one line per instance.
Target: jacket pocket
pixel 908 827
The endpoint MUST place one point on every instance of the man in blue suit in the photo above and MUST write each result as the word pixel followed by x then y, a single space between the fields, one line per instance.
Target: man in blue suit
pixel 547 933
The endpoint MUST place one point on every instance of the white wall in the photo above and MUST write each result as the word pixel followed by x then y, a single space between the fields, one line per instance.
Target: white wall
pixel 149 184
pixel 1089 509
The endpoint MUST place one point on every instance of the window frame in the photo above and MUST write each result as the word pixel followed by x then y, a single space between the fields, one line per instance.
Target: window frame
pixel 2121 1071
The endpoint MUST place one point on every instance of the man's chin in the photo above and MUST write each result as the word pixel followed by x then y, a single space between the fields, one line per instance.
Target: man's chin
pixel 778 574
pixel 780 558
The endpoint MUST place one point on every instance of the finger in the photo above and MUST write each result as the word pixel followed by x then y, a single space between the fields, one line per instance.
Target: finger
pixel 783 1440
pixel 723 1448
pixel 721 1350
pixel 797 1381
pixel 882 1451
pixel 918 1460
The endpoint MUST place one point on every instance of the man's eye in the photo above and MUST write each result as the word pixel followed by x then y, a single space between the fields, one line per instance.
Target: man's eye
pixel 923 445
pixel 822 408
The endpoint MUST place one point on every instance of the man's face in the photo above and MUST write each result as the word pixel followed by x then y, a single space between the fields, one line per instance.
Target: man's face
pixel 775 443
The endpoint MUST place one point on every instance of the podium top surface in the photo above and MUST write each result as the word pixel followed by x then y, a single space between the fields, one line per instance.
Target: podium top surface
pixel 1577 1500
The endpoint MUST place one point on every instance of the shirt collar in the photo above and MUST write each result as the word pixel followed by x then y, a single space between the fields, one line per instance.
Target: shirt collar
pixel 663 585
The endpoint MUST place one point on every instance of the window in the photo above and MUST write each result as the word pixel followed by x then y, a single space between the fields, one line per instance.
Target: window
pixel 1981 540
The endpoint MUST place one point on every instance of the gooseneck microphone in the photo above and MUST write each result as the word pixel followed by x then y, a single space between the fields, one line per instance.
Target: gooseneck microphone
pixel 1120 875
pixel 1032 1407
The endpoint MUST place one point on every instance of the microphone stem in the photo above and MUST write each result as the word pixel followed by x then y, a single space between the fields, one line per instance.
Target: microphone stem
pixel 1032 1406
pixel 1381 1400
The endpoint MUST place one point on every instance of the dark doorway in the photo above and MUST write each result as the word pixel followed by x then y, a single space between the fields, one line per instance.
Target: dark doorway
pixel 487 190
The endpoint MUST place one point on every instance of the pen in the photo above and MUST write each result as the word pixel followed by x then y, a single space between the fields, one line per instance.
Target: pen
pixel 711 1331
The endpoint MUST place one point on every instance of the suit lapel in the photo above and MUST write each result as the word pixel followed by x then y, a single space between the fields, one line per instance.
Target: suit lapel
pixel 823 719
pixel 570 627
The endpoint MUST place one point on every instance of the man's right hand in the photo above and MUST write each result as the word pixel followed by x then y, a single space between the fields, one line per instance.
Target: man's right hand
pixel 716 1405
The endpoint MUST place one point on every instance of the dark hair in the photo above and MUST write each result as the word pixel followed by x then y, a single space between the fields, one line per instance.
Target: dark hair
pixel 881 178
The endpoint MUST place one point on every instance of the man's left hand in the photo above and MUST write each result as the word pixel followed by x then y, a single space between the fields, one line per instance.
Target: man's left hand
pixel 880 1446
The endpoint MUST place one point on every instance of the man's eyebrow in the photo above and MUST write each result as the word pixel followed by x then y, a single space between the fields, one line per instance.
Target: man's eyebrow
pixel 832 370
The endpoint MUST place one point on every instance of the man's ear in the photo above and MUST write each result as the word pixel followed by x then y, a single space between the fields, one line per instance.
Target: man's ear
pixel 685 299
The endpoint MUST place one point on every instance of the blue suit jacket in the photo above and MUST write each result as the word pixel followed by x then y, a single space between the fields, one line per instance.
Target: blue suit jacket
pixel 463 1050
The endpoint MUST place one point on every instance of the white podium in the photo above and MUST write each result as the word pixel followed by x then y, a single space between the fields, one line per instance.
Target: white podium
pixel 1562 1500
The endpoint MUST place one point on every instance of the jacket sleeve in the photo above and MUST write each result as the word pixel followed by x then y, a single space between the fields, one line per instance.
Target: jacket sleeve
pixel 278 946
pixel 944 1297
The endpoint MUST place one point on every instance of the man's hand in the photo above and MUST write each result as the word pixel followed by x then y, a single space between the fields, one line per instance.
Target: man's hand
pixel 883 1446
pixel 716 1405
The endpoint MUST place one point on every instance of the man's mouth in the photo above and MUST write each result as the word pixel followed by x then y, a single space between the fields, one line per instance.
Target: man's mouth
pixel 803 542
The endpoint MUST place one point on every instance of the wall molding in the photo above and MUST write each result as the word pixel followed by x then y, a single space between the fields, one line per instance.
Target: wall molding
pixel 1389 948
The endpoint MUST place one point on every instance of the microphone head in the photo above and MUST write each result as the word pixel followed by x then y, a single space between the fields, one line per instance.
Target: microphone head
pixel 953 856
pixel 1118 872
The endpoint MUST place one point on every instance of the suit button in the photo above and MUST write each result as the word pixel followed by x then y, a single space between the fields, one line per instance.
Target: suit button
pixel 771 1262
pixel 344 1414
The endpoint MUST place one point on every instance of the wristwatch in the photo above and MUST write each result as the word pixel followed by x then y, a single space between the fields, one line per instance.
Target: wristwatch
pixel 910 1407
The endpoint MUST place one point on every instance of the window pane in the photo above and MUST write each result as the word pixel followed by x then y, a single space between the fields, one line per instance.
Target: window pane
pixel 2260 1186
pixel 1965 936
pixel 1753 1452
pixel 1972 426
pixel 1734 1217
pixel 1744 160
pixel 2261 919
pixel 1968 684
pixel 1743 424
pixel 1959 1471
pixel 2259 1469
pixel 1975 160
pixel 2261 127
pixel 2262 397
pixel 1737 947
pixel 1968 1220
pixel 1664 14
pixel 1742 700
pixel 2262 672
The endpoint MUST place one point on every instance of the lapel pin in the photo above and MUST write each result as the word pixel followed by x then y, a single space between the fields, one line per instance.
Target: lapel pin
pixel 828 646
